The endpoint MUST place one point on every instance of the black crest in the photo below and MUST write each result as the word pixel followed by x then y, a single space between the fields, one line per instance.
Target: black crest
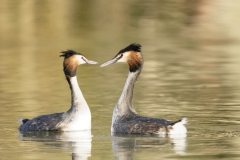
pixel 132 47
pixel 69 53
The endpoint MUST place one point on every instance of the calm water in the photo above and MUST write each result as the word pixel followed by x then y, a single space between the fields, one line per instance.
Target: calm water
pixel 192 61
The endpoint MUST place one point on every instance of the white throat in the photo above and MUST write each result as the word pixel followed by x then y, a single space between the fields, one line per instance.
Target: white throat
pixel 79 115
pixel 77 96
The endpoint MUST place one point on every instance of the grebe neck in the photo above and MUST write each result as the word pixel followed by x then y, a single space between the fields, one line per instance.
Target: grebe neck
pixel 77 99
pixel 125 105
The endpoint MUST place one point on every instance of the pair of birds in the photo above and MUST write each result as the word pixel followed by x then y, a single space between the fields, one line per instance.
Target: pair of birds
pixel 124 120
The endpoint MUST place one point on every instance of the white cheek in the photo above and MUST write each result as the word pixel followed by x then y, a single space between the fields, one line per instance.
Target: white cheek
pixel 80 60
pixel 124 57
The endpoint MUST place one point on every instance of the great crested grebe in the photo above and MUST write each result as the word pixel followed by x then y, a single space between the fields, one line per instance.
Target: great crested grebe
pixel 125 119
pixel 78 117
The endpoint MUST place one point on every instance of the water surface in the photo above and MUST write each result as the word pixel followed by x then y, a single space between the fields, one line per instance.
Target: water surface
pixel 191 69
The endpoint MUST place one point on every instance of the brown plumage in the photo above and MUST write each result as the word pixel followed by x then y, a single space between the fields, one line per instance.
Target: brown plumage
pixel 71 63
pixel 78 117
pixel 125 119
pixel 134 60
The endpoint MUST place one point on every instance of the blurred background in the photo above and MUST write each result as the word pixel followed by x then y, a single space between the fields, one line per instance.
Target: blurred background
pixel 192 61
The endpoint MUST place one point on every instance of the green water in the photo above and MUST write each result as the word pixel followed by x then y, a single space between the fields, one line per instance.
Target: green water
pixel 192 60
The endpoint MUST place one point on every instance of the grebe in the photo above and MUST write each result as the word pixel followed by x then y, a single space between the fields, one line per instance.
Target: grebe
pixel 78 117
pixel 125 119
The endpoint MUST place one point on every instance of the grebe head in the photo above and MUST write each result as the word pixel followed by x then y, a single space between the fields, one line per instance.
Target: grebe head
pixel 72 56
pixel 131 54
pixel 72 59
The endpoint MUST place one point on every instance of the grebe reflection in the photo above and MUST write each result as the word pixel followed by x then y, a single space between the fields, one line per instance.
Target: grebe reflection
pixel 127 146
pixel 79 142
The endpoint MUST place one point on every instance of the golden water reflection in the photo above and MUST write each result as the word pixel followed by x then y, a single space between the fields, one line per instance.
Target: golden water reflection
pixel 79 143
pixel 125 146
pixel 192 61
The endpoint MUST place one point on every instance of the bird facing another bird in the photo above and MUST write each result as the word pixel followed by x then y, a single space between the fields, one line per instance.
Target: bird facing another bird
pixel 124 119
pixel 78 117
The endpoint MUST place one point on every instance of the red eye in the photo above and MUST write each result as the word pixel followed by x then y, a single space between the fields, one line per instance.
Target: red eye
pixel 119 56
pixel 84 59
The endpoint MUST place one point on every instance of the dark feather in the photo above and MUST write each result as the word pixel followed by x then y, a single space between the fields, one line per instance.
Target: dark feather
pixel 69 53
pixel 25 120
pixel 132 47
pixel 43 123
pixel 141 125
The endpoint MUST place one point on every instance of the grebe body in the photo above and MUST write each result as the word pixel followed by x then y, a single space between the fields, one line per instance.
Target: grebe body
pixel 125 119
pixel 78 117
